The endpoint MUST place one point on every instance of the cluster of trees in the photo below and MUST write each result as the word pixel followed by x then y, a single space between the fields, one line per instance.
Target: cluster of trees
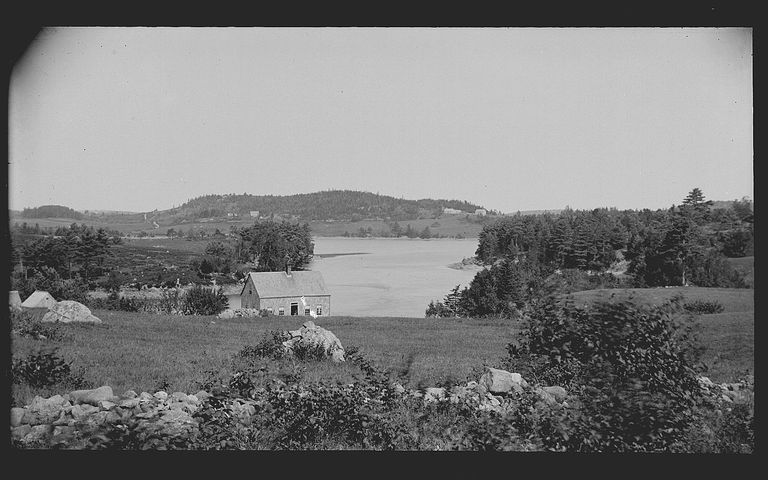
pixel 51 211
pixel 394 230
pixel 344 205
pixel 684 245
pixel 273 245
pixel 65 264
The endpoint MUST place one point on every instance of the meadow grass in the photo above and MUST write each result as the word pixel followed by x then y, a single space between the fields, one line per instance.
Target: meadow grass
pixel 146 352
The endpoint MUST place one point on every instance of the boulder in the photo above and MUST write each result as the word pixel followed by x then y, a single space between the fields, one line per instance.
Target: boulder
pixel 14 301
pixel 67 311
pixel 92 397
pixel 17 414
pixel 502 381
pixel 311 335
pixel 79 411
pixel 433 394
pixel 557 392
pixel 161 395
pixel 145 397
pixel 45 410
pixel 21 431
pixel 130 394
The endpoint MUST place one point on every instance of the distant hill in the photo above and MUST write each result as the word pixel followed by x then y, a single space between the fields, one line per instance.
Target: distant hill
pixel 336 205
pixel 51 211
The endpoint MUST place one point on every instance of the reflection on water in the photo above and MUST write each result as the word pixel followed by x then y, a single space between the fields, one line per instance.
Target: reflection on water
pixel 395 277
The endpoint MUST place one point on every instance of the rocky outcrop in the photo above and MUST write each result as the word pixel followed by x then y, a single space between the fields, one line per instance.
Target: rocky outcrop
pixel 67 311
pixel 311 335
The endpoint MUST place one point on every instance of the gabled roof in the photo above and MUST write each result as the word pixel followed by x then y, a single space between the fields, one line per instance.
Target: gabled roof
pixel 280 284
pixel 39 299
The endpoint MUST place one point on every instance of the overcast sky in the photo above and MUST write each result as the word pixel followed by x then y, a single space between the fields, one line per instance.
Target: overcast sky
pixel 513 119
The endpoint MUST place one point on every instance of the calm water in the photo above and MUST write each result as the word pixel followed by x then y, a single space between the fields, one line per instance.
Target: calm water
pixel 390 277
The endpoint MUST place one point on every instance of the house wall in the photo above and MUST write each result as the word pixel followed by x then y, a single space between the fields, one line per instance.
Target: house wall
pixel 249 300
pixel 254 301
pixel 285 302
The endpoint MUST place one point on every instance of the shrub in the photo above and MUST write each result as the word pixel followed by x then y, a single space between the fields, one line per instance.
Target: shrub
pixel 632 368
pixel 45 368
pixel 199 300
pixel 170 301
pixel 270 346
pixel 28 324
pixel 704 306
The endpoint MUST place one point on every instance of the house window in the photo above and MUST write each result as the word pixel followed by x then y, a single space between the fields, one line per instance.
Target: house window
pixel 294 309
pixel 250 292
pixel 319 310
pixel 281 311
pixel 306 311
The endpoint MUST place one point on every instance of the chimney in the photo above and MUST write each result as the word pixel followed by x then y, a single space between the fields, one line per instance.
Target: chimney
pixel 288 269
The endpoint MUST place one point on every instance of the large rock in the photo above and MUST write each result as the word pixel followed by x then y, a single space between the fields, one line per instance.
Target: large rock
pixel 557 392
pixel 311 335
pixel 92 397
pixel 67 311
pixel 17 413
pixel 502 381
pixel 44 410
pixel 14 301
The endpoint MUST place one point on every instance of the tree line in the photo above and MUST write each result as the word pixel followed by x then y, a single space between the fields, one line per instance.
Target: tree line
pixel 684 245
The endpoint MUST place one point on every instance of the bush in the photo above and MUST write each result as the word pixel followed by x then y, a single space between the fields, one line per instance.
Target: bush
pixel 28 324
pixel 170 302
pixel 633 369
pixel 203 301
pixel 44 368
pixel 704 307
pixel 270 346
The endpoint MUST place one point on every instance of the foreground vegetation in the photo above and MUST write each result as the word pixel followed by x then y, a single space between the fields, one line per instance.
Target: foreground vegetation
pixel 630 371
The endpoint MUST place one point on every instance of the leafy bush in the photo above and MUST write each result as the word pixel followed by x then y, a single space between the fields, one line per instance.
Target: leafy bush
pixel 270 346
pixel 45 368
pixel 170 301
pixel 704 306
pixel 28 324
pixel 199 300
pixel 633 369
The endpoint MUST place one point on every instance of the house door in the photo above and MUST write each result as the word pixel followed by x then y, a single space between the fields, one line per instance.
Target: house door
pixel 294 309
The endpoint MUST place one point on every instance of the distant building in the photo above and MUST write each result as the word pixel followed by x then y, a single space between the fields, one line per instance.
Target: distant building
pixel 230 214
pixel 287 293
pixel 481 211
pixel 255 213
pixel 452 211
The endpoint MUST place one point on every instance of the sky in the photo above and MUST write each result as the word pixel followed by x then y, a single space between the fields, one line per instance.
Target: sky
pixel 144 118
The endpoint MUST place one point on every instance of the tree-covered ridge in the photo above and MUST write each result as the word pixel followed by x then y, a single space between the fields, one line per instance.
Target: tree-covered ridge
pixel 342 205
pixel 686 245
pixel 51 211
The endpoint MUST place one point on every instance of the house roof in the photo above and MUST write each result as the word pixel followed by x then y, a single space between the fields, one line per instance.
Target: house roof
pixel 39 299
pixel 280 284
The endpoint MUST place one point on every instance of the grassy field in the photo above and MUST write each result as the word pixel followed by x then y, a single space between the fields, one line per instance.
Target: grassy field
pixel 142 351
pixel 147 352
